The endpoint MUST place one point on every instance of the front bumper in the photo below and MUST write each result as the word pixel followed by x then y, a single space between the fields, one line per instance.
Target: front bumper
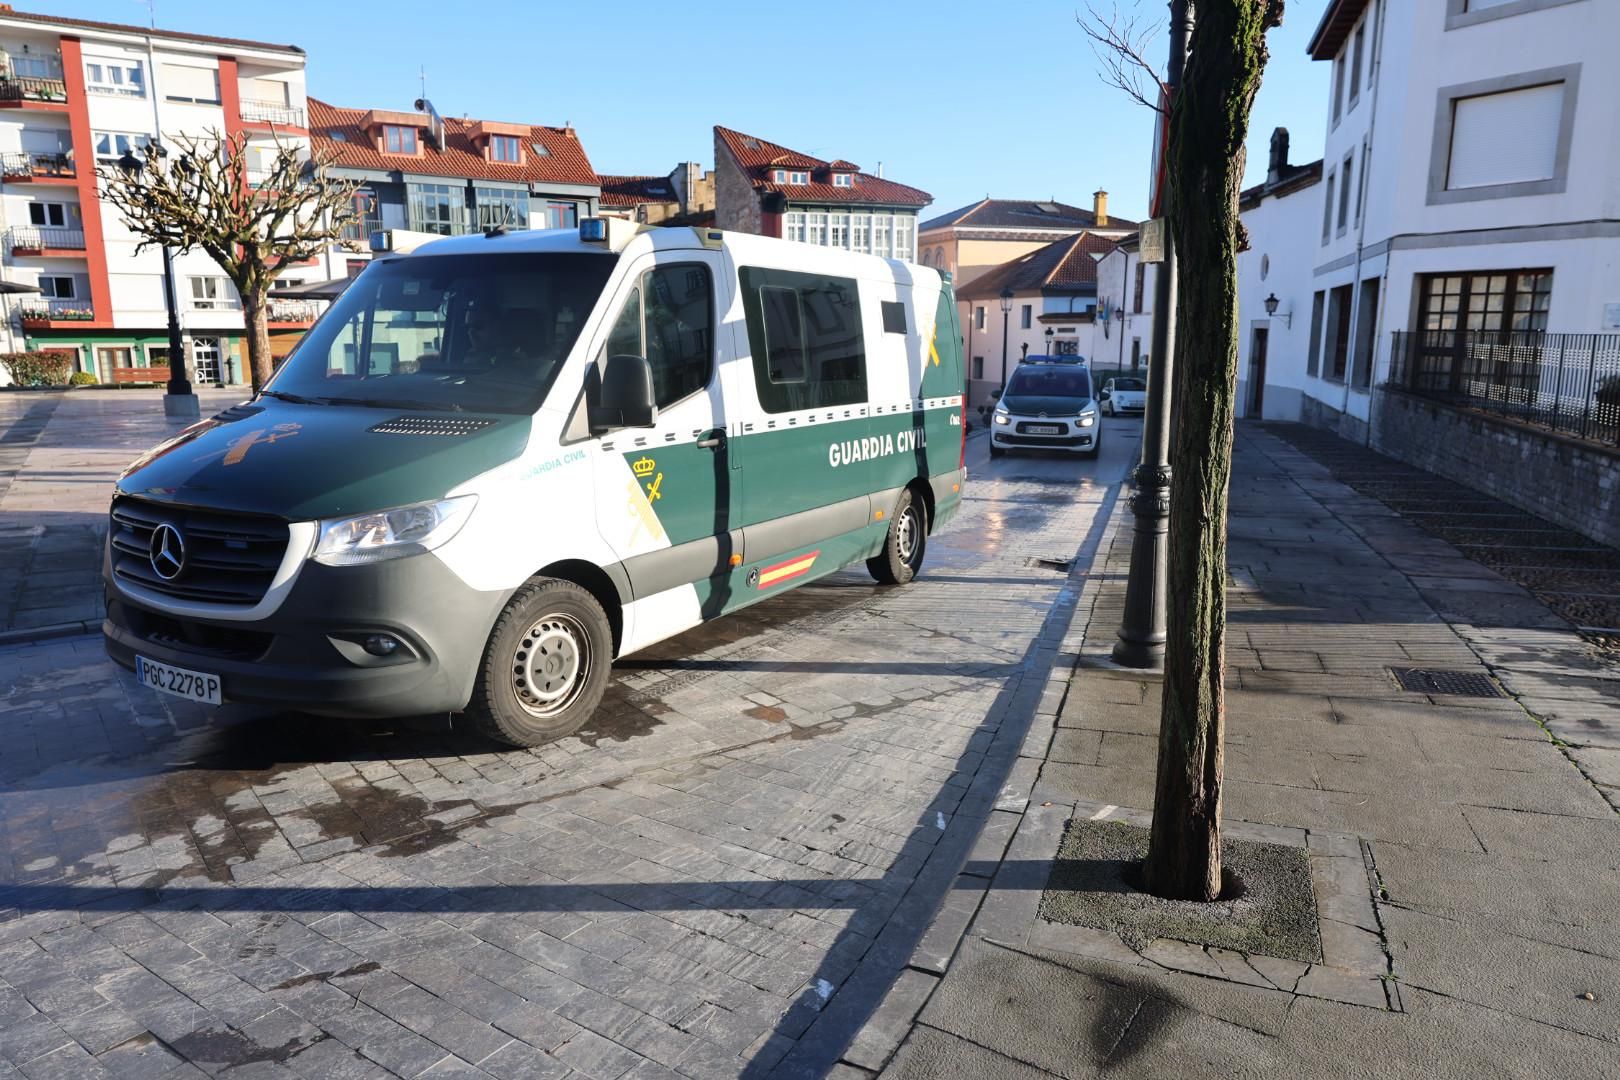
pixel 1069 435
pixel 307 654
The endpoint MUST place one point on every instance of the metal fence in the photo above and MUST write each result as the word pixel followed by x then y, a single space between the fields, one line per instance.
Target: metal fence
pixel 46 237
pixel 1568 383
pixel 272 112
pixel 41 310
pixel 30 89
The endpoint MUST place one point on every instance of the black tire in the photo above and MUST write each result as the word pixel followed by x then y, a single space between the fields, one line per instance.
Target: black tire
pixel 905 545
pixel 556 624
pixel 996 451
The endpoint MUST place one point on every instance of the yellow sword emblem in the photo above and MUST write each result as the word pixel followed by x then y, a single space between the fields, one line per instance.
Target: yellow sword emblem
pixel 653 494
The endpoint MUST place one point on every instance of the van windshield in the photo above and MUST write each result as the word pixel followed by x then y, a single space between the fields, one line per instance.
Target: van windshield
pixel 480 332
pixel 1045 381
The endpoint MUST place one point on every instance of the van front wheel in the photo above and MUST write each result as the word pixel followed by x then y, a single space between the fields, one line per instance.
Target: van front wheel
pixel 545 667
pixel 905 544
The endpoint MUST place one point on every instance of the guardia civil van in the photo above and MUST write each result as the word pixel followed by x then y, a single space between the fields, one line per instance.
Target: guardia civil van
pixel 500 461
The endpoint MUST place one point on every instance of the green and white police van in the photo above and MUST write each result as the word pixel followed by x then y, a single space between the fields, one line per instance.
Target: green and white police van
pixel 500 461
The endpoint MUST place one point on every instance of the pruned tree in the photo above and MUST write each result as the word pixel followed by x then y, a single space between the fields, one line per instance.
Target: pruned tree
pixel 201 196
pixel 1208 126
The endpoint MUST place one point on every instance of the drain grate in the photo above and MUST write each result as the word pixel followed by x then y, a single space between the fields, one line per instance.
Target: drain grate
pixel 1459 683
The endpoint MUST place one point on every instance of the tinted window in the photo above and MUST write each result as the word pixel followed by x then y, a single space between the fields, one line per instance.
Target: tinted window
pixel 1044 381
pixel 484 332
pixel 894 317
pixel 669 319
pixel 1129 384
pixel 804 331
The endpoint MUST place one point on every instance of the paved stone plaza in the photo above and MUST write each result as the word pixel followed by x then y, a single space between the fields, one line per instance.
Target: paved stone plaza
pixel 760 822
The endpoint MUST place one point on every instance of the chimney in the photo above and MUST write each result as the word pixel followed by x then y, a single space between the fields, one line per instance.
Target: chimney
pixel 1279 156
pixel 1099 206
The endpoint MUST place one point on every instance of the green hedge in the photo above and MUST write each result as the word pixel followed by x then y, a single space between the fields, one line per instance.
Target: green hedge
pixel 37 368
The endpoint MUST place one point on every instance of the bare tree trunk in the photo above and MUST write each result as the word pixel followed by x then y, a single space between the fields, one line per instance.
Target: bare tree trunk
pixel 254 316
pixel 1209 123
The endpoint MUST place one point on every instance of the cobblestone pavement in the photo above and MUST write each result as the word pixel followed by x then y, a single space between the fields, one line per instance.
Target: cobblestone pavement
pixel 719 877
pixel 59 453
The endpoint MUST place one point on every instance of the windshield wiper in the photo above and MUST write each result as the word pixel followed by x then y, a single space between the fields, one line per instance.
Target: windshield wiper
pixel 393 403
pixel 296 399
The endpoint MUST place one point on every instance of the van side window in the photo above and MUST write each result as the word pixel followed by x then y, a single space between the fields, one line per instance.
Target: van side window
pixel 804 331
pixel 669 319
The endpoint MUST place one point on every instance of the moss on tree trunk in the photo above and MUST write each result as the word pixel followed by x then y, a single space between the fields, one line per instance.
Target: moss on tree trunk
pixel 1208 125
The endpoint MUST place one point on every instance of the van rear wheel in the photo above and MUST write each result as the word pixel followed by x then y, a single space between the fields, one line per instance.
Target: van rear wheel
pixel 905 544
pixel 545 667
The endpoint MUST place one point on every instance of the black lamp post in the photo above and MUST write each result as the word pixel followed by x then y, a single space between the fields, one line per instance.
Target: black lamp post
pixel 1006 314
pixel 1048 341
pixel 180 401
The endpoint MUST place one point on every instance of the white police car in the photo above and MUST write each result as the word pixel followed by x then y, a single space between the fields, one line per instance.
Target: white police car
pixel 1047 405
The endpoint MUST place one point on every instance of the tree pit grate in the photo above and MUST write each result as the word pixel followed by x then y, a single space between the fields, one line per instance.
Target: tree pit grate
pixel 1456 683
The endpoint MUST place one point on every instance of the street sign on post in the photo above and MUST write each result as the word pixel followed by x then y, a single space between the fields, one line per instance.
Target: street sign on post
pixel 1152 241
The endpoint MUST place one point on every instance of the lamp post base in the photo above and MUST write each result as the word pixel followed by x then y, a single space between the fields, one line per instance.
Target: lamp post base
pixel 181 406
pixel 1142 631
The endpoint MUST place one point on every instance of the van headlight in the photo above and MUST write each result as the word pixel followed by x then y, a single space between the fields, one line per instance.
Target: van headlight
pixel 1002 415
pixel 392 534
pixel 1088 417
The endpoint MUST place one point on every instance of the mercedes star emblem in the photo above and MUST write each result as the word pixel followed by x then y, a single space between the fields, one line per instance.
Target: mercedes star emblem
pixel 167 552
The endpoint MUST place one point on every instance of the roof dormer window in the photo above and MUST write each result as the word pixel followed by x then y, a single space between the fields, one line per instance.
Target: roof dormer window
pixel 398 139
pixel 843 179
pixel 505 148
pixel 790 176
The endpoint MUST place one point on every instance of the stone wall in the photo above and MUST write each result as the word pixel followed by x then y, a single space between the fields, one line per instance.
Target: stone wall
pixel 1317 413
pixel 1568 481
pixel 736 207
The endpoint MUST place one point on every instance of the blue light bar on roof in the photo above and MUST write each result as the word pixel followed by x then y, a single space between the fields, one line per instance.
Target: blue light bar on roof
pixel 593 230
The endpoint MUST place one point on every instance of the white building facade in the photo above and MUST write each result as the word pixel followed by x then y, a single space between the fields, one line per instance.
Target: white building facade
pixel 1471 182
pixel 75 95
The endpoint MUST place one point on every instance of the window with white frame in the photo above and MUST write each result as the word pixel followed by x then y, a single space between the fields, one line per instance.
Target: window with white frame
pixel 1505 138
pixel 817 232
pixel 48 215
pixel 112 145
pixel 57 286
pixel 793 225
pixel 903 227
pixel 838 237
pixel 501 206
pixel 861 233
pixel 843 179
pixel 126 78
pixel 880 234
pixel 211 294
pixel 191 85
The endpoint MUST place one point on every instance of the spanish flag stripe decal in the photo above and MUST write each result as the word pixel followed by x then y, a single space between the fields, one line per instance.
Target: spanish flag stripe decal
pixel 783 571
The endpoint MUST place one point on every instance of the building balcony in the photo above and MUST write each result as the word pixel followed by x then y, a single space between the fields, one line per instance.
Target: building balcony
pixel 25 93
pixel 55 314
pixel 45 241
pixel 439 225
pixel 272 114
pixel 293 314
pixel 37 168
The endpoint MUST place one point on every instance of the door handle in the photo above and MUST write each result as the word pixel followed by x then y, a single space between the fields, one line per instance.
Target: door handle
pixel 712 441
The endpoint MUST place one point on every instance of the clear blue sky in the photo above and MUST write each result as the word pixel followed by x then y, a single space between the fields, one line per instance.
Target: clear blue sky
pixel 958 98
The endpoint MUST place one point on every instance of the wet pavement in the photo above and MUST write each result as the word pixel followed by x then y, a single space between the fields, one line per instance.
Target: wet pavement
pixel 757 826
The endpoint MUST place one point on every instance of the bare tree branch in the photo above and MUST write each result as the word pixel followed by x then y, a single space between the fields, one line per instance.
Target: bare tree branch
pixel 200 196
pixel 1120 43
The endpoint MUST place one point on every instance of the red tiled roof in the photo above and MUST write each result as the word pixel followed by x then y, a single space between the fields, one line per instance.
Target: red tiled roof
pixel 1067 265
pixel 636 190
pixel 50 20
pixel 341 134
pixel 755 156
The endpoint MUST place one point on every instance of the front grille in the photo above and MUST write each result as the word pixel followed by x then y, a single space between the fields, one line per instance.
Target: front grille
pixel 189 636
pixel 1044 440
pixel 229 558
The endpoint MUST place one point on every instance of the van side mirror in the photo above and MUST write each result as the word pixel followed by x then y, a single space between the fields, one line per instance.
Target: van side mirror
pixel 623 395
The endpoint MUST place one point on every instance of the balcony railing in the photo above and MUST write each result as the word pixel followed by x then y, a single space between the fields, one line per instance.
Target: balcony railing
pixel 45 238
pixel 29 89
pixel 294 311
pixel 443 228
pixel 37 311
pixel 34 166
pixel 272 112
pixel 1569 383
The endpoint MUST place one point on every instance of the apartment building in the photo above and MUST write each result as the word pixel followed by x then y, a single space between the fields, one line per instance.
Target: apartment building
pixel 981 236
pixel 76 94
pixel 684 196
pixel 765 188
pixel 423 172
pixel 1471 183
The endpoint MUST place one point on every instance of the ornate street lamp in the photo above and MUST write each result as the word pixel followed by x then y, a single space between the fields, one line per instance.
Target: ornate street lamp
pixel 1006 314
pixel 1049 341
pixel 180 401
pixel 1271 303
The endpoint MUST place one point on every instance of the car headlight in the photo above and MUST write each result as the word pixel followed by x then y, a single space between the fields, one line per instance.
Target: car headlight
pixel 1088 418
pixel 1002 416
pixel 392 534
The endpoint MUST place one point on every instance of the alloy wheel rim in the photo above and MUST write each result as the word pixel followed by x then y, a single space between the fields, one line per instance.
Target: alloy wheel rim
pixel 550 665
pixel 905 535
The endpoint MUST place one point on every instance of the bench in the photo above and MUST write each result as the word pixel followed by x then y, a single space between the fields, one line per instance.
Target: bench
pixel 129 376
